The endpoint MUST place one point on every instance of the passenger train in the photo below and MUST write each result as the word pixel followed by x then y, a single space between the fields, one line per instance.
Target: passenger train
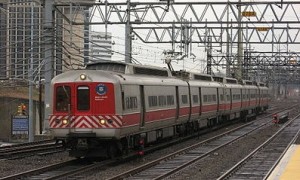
pixel 111 108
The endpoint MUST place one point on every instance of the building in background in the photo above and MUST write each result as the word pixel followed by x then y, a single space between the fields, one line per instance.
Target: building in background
pixel 16 37
pixel 21 23
pixel 3 35
pixel 100 46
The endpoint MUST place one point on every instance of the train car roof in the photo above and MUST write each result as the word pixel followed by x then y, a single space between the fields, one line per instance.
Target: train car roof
pixel 225 80
pixel 192 76
pixel 129 68
pixel 108 76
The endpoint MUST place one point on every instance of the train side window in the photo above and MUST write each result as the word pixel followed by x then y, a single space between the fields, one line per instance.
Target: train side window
pixel 131 102
pixel 152 101
pixel 209 98
pixel 221 97
pixel 184 99
pixel 205 99
pixel 214 98
pixel 170 100
pixel 228 97
pixel 63 94
pixel 195 99
pixel 162 101
pixel 83 98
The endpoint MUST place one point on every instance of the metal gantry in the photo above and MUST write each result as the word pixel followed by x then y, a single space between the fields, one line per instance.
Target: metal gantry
pixel 275 22
pixel 203 16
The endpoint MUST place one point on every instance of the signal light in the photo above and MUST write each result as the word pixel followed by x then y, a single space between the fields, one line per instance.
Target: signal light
pixel 23 107
pixel 19 111
pixel 141 153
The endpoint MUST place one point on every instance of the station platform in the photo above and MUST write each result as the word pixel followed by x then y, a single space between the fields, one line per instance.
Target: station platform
pixel 289 166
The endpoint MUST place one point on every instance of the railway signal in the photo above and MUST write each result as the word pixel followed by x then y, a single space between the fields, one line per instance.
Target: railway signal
pixel 24 112
pixel 19 111
pixel 22 109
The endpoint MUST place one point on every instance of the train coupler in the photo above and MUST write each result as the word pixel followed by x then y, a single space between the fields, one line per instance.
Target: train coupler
pixel 82 144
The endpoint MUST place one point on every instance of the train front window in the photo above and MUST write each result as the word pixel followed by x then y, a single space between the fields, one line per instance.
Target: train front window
pixel 83 98
pixel 63 100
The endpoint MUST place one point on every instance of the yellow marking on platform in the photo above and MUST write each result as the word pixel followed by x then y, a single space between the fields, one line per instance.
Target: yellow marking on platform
pixel 292 170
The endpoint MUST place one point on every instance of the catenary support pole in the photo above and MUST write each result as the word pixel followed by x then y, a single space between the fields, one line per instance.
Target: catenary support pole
pixel 49 58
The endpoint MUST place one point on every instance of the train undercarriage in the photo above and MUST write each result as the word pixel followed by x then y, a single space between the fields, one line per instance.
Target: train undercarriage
pixel 88 145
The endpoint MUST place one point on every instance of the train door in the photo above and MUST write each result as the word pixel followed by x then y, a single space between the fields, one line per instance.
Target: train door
pixel 230 99
pixel 200 101
pixel 257 97
pixel 218 100
pixel 82 106
pixel 142 96
pixel 248 97
pixel 177 103
pixel 241 99
pixel 190 100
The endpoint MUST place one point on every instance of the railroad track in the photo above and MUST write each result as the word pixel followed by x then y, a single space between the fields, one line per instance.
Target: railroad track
pixel 30 149
pixel 51 171
pixel 71 169
pixel 172 163
pixel 76 170
pixel 26 144
pixel 261 162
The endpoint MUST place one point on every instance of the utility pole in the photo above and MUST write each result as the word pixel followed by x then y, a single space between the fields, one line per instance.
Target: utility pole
pixel 30 78
pixel 49 59
pixel 209 55
pixel 238 74
pixel 41 84
pixel 227 44
pixel 128 36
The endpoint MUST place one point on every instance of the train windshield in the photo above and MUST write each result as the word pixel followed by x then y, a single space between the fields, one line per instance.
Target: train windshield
pixel 63 100
pixel 83 98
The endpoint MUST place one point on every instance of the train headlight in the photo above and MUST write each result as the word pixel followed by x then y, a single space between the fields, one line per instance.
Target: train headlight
pixel 83 76
pixel 102 121
pixel 65 121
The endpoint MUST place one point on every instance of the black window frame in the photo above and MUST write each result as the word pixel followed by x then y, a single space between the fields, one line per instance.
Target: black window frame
pixel 83 103
pixel 62 98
